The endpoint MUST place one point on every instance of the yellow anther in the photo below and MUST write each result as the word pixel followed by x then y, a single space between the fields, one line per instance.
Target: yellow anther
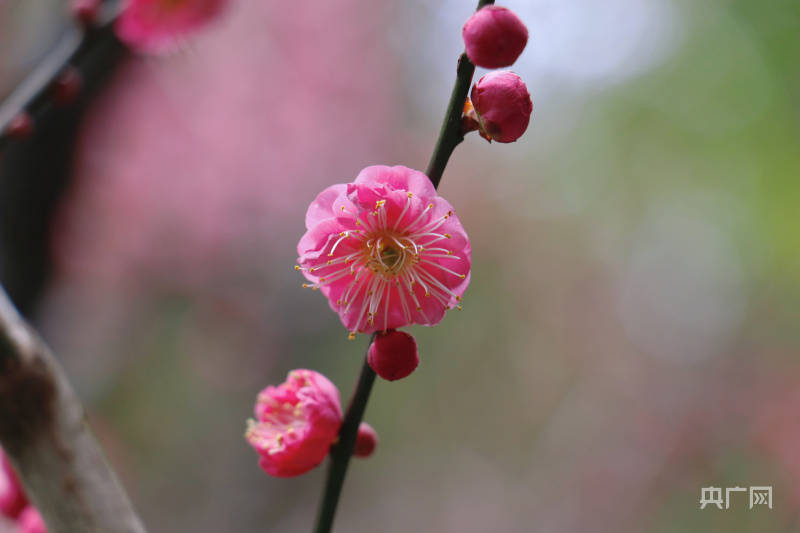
pixel 459 308
pixel 410 195
pixel 458 298
pixel 380 203
pixel 297 267
pixel 352 335
pixel 448 236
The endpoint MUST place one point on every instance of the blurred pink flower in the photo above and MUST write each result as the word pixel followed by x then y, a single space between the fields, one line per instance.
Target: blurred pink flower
pixel 296 423
pixel 170 189
pixel 155 26
pixel 30 521
pixel 12 496
pixel 503 106
pixel 494 37
pixel 385 250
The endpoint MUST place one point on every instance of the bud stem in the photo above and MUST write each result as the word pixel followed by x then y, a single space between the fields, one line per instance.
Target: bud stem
pixel 343 449
pixel 451 134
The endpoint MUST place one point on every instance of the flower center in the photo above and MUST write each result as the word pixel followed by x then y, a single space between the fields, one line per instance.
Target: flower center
pixel 388 254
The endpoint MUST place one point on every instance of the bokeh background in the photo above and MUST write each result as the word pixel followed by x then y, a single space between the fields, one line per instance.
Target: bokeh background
pixel 632 330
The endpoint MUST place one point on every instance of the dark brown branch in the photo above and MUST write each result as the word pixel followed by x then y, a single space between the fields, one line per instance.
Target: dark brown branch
pixel 78 48
pixel 44 432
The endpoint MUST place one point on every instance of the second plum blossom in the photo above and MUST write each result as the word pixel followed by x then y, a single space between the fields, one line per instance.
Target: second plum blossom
pixel 386 250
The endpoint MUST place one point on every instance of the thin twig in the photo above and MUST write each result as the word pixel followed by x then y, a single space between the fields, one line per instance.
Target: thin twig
pixel 343 450
pixel 450 136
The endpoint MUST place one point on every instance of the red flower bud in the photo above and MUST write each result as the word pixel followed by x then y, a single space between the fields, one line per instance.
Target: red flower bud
pixel 393 355
pixel 20 127
pixel 366 440
pixel 67 86
pixel 502 106
pixel 85 11
pixel 494 37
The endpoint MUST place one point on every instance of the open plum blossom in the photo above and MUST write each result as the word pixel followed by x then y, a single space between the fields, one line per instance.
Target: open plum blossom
pixel 385 250
pixel 296 423
pixel 156 26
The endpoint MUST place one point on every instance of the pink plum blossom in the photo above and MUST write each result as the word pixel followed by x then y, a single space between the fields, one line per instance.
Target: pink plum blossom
pixel 393 355
pixel 385 250
pixel 12 495
pixel 494 37
pixel 155 26
pixel 30 521
pixel 502 105
pixel 296 423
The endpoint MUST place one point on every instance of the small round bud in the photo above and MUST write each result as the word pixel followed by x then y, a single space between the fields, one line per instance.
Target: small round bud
pixel 67 86
pixel 20 127
pixel 494 37
pixel 393 355
pixel 502 106
pixel 366 441
pixel 85 11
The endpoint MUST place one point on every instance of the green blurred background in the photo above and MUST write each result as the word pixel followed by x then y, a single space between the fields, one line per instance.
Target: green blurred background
pixel 632 329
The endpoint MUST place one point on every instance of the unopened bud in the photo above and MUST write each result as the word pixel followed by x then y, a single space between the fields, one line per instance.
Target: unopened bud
pixel 20 127
pixel 393 355
pixel 85 11
pixel 366 441
pixel 494 37
pixel 67 86
pixel 502 106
